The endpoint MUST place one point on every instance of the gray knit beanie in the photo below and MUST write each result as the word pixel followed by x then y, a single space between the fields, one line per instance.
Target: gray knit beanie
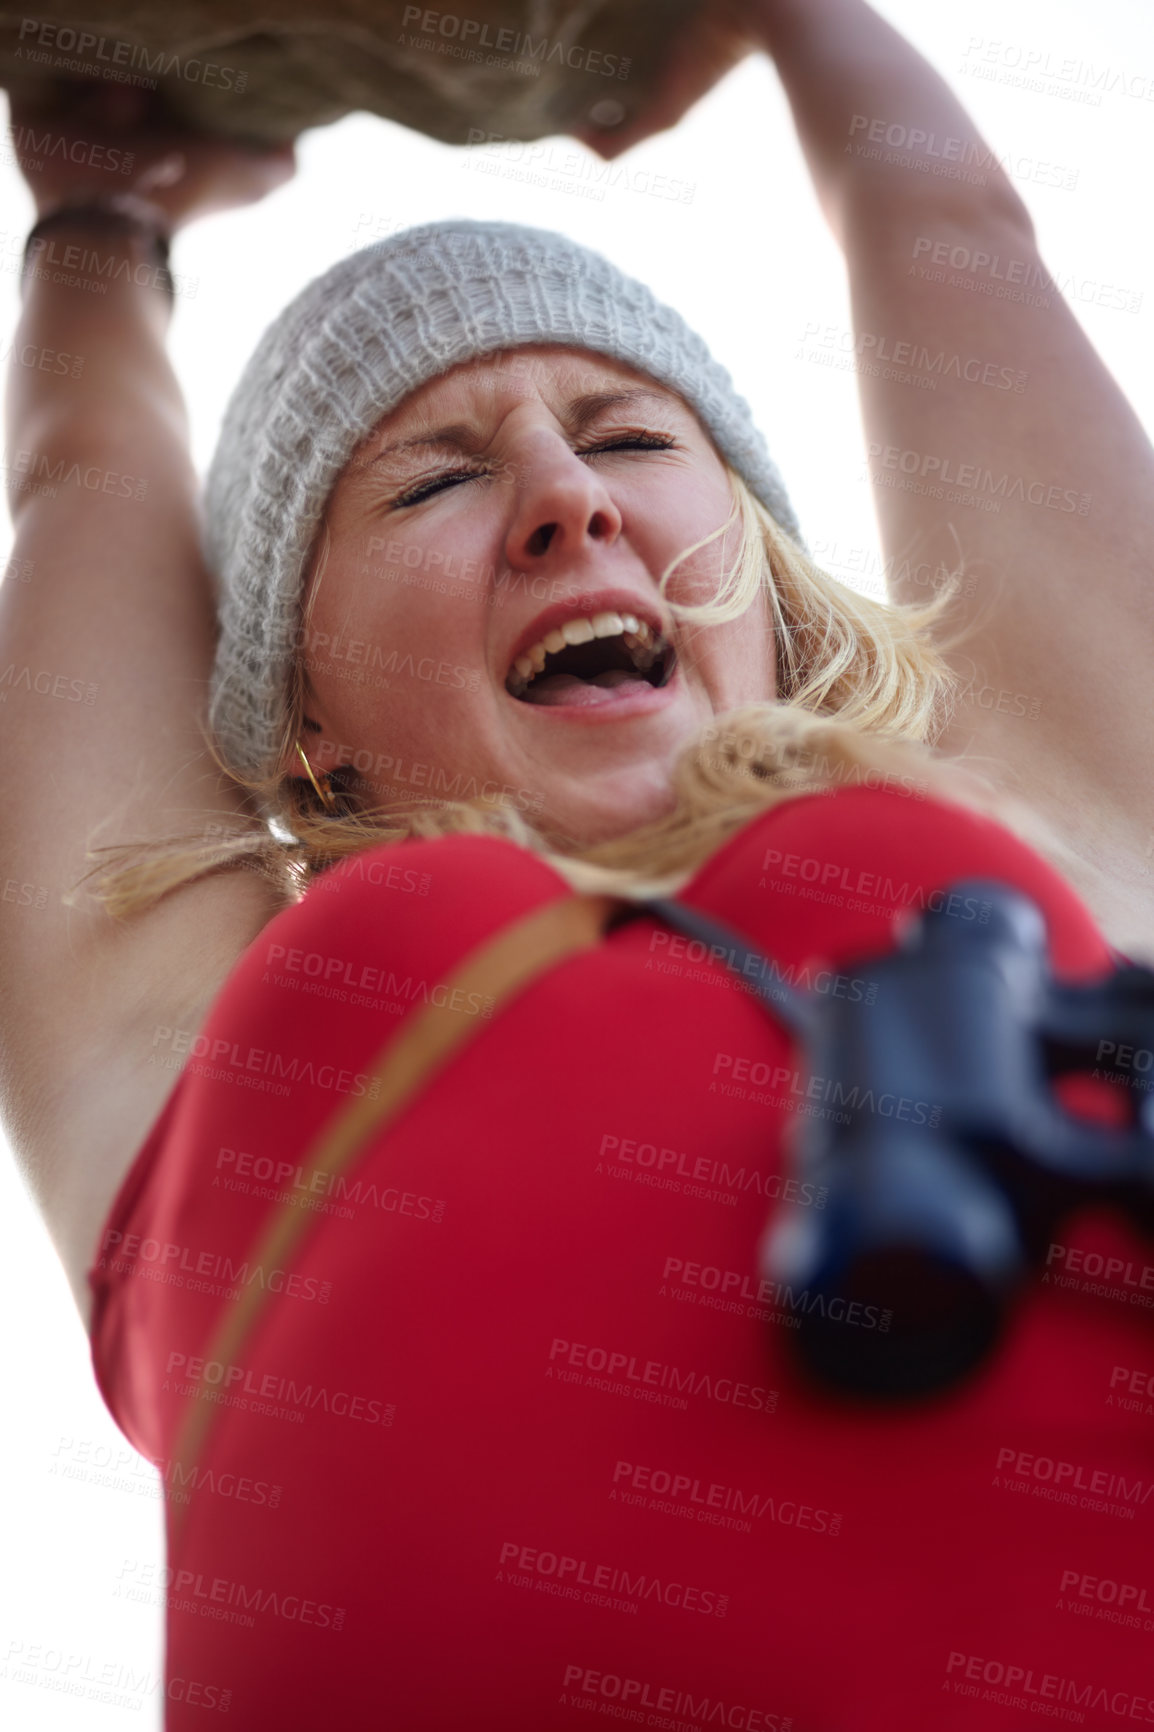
pixel 344 354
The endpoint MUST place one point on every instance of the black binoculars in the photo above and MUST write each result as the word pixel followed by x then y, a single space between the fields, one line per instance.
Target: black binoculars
pixel 940 1204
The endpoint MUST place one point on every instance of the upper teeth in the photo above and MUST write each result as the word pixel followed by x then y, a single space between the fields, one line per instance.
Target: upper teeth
pixel 640 639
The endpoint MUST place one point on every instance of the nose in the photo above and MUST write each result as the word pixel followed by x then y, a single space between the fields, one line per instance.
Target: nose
pixel 562 507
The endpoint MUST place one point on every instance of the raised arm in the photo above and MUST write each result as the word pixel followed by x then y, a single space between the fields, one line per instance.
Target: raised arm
pixel 106 642
pixel 948 285
pixel 1022 461
pixel 1025 461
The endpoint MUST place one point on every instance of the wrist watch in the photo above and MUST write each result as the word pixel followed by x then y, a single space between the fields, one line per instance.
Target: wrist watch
pixel 117 213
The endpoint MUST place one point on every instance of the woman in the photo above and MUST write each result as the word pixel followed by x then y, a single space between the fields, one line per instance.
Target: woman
pixel 481 1427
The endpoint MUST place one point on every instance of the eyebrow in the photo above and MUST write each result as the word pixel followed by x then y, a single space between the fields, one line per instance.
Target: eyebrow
pixel 581 411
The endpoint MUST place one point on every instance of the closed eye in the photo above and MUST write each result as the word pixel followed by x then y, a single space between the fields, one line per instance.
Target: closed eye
pixel 427 488
pixel 634 442
pixel 453 477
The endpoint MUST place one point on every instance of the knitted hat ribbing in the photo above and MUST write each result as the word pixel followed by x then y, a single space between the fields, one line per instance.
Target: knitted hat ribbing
pixel 346 352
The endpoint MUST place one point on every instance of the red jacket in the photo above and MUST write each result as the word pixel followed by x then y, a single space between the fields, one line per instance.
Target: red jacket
pixel 516 1446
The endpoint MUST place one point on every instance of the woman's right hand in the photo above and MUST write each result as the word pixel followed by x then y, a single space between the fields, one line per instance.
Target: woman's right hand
pixel 88 140
pixel 717 37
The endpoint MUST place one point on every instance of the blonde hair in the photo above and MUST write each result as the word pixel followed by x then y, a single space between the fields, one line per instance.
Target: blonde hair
pixel 863 693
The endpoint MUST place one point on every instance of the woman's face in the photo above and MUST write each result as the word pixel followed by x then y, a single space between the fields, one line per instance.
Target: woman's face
pixel 520 501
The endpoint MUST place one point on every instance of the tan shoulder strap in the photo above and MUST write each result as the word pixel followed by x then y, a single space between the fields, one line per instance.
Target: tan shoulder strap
pixel 497 970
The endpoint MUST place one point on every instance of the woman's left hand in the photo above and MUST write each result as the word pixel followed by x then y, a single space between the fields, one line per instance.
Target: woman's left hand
pixel 88 140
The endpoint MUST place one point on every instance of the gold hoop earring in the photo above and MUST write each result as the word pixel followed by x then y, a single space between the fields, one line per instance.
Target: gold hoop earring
pixel 326 794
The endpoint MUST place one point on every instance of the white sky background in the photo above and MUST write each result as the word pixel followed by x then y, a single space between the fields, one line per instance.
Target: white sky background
pixel 750 265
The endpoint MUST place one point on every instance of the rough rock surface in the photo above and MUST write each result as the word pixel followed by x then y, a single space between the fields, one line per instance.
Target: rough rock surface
pixel 523 69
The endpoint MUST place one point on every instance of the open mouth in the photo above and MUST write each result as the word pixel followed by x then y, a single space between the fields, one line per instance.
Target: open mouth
pixel 593 660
